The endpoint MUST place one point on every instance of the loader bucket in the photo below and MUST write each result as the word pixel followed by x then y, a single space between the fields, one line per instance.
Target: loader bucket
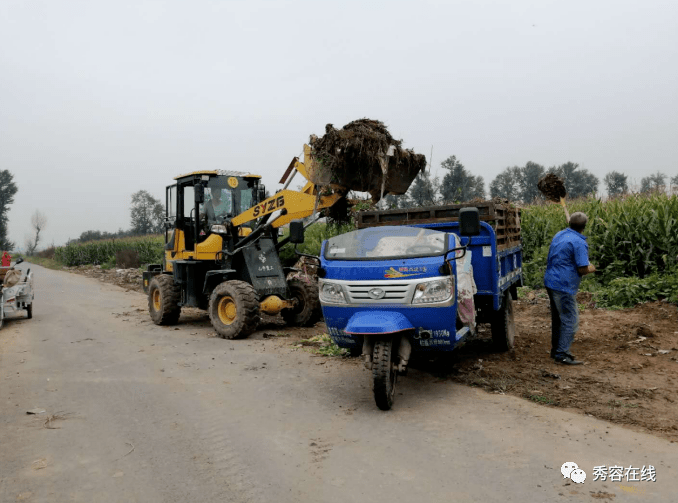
pixel 396 173
pixel 364 157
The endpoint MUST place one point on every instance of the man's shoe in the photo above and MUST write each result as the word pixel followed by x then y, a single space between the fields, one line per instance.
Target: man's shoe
pixel 553 355
pixel 568 361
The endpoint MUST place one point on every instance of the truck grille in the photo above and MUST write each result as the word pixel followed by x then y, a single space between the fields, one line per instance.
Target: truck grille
pixel 393 293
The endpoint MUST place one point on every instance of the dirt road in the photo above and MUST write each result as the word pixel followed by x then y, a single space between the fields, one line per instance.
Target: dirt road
pixel 136 412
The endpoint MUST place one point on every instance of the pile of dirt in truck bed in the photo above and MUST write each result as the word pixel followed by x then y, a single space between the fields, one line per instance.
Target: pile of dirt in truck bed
pixel 552 187
pixel 350 157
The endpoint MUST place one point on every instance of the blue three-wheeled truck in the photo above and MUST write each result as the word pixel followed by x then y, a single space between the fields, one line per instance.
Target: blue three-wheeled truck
pixel 420 280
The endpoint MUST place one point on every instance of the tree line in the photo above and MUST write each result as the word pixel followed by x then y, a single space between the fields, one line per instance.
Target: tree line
pixel 515 183
pixel 458 184
pixel 147 216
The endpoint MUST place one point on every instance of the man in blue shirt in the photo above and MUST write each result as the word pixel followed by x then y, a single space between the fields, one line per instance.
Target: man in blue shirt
pixel 568 261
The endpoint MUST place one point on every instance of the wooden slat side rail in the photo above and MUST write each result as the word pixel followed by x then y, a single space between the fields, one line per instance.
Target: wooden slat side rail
pixel 504 219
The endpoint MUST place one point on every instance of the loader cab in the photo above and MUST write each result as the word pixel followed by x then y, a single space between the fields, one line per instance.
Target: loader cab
pixel 202 199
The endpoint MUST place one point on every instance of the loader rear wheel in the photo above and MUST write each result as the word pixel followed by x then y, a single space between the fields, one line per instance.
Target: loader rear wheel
pixel 384 373
pixel 163 300
pixel 504 325
pixel 29 311
pixel 234 309
pixel 307 311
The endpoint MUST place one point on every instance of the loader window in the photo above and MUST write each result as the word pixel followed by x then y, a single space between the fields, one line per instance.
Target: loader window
pixel 218 203
pixel 172 201
pixel 245 200
pixel 189 197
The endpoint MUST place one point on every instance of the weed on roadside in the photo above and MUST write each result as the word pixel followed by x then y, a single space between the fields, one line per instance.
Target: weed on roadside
pixel 322 345
pixel 542 399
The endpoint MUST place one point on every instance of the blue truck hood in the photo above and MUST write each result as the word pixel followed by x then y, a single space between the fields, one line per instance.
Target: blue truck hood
pixel 421 267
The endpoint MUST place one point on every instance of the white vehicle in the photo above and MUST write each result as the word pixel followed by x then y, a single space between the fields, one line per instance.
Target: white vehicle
pixel 15 296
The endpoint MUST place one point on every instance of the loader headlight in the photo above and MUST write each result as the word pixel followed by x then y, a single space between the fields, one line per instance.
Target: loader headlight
pixel 332 293
pixel 438 290
pixel 219 229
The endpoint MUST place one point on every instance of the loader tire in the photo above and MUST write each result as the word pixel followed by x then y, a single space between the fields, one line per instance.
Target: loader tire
pixel 504 325
pixel 307 311
pixel 29 311
pixel 384 373
pixel 234 309
pixel 163 300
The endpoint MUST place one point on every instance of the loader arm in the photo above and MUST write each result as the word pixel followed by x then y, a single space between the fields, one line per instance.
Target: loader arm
pixel 299 204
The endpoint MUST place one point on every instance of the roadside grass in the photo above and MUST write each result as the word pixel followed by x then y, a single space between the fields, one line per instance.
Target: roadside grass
pixel 542 399
pixel 322 345
pixel 618 403
pixel 49 263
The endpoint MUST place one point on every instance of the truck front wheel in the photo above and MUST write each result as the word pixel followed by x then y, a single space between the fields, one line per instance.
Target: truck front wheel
pixel 384 372
pixel 504 325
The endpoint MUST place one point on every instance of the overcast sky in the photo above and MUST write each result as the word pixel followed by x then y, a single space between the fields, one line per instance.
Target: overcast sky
pixel 99 99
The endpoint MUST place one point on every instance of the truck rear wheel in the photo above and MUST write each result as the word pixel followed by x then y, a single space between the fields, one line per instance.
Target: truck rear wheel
pixel 234 309
pixel 307 311
pixel 384 372
pixel 163 300
pixel 504 325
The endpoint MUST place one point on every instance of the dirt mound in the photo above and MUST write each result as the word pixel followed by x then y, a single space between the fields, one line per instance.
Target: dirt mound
pixel 630 370
pixel 361 156
pixel 552 187
pixel 129 279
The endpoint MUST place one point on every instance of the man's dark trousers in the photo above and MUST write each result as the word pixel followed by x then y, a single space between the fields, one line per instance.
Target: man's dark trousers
pixel 564 321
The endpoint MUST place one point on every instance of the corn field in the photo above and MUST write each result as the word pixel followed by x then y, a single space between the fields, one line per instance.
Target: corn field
pixel 632 236
pixel 149 248
pixel 633 242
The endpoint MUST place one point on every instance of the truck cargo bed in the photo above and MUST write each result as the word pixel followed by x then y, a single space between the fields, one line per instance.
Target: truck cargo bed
pixel 503 218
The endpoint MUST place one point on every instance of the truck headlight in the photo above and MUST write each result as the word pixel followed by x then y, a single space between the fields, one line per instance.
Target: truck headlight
pixel 438 290
pixel 332 293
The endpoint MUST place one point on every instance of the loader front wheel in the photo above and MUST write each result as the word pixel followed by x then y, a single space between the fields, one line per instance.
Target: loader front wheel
pixel 384 372
pixel 504 325
pixel 163 300
pixel 307 311
pixel 234 309
pixel 29 311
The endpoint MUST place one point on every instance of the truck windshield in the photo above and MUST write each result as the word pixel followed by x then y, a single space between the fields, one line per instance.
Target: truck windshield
pixel 386 242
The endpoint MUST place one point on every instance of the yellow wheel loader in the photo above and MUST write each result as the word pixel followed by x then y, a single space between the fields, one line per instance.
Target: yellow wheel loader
pixel 221 251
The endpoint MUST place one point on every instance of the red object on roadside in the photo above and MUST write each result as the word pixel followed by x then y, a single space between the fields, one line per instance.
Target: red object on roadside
pixel 6 259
